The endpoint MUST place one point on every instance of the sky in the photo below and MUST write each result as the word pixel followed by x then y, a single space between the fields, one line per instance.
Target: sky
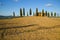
pixel 8 6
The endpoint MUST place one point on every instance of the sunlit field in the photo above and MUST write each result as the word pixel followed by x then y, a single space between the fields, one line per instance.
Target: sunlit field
pixel 30 28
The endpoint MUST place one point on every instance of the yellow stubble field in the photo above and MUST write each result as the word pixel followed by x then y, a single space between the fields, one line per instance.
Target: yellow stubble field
pixel 30 28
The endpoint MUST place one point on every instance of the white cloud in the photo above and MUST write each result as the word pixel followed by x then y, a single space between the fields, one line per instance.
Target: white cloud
pixel 48 5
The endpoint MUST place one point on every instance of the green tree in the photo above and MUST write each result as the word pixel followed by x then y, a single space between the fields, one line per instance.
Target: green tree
pixel 20 12
pixel 24 11
pixel 55 14
pixel 13 14
pixel 30 11
pixel 42 12
pixel 36 11
pixel 51 13
pixel 46 13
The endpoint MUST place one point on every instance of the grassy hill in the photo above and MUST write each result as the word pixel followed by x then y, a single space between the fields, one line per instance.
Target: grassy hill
pixel 30 28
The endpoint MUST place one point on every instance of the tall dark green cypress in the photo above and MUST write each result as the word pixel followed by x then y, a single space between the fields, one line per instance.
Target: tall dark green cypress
pixel 36 11
pixel 42 12
pixel 13 14
pixel 46 13
pixel 30 11
pixel 20 12
pixel 51 13
pixel 24 11
pixel 55 14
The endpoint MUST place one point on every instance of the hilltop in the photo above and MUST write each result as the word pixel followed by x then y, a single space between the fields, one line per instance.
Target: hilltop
pixel 41 21
pixel 30 28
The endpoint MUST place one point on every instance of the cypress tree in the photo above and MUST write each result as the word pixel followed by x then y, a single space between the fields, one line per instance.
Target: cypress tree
pixel 13 14
pixel 55 14
pixel 20 12
pixel 30 11
pixel 24 11
pixel 46 13
pixel 36 11
pixel 42 12
pixel 51 13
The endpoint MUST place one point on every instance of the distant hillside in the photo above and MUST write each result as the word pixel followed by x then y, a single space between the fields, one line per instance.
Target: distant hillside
pixel 4 17
pixel 1 16
pixel 8 17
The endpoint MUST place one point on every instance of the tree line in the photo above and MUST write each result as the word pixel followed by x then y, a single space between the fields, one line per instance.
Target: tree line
pixel 22 13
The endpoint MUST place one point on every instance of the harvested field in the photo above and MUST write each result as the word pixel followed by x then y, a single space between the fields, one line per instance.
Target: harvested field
pixel 30 28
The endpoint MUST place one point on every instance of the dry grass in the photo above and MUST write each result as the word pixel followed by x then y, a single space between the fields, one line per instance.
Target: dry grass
pixel 30 28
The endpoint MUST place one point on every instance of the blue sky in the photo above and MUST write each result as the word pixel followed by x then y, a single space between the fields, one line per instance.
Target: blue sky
pixel 8 6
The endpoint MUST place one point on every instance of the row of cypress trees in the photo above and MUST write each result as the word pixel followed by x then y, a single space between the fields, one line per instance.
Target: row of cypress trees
pixel 46 13
pixel 22 12
pixel 50 14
